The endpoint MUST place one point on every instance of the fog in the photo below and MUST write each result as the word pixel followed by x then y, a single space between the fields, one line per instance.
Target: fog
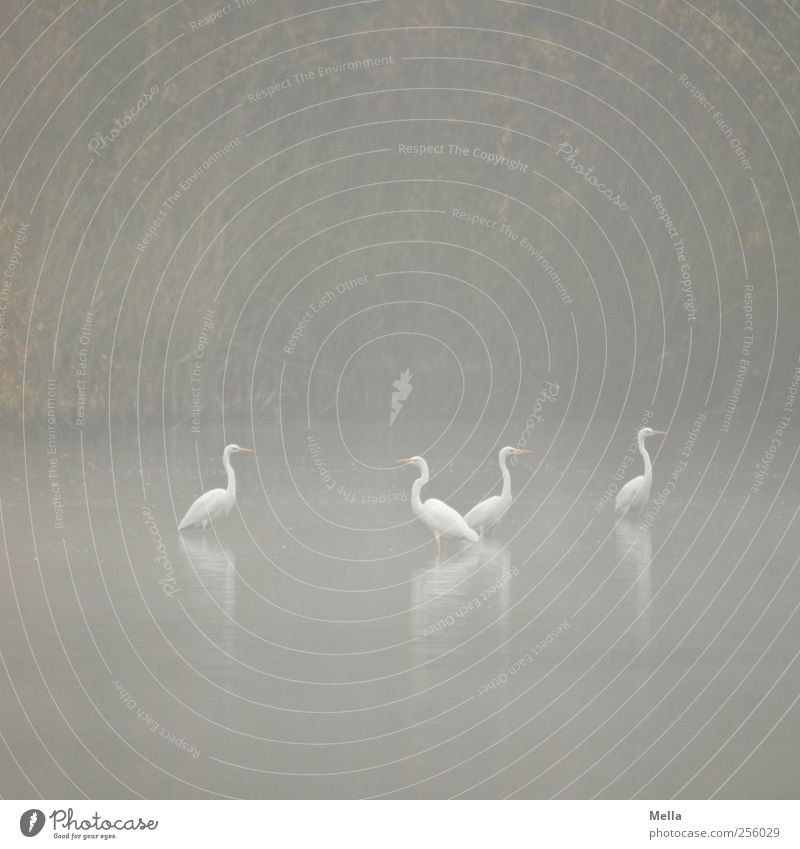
pixel 345 234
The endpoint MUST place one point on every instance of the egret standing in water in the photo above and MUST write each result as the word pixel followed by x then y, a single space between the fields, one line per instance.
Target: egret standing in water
pixel 440 518
pixel 491 511
pixel 633 496
pixel 215 503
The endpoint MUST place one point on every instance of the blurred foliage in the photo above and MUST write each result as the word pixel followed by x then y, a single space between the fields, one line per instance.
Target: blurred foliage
pixel 134 329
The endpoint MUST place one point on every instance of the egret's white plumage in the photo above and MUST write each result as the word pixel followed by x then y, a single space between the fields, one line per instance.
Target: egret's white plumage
pixel 633 497
pixel 491 511
pixel 440 518
pixel 215 503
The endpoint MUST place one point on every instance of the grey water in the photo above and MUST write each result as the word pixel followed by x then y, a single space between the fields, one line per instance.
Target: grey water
pixel 312 644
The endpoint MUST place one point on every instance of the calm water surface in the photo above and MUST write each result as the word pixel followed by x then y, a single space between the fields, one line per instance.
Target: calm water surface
pixel 313 645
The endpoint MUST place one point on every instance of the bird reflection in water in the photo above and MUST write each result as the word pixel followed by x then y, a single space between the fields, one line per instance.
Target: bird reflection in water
pixel 459 596
pixel 211 600
pixel 634 554
pixel 463 599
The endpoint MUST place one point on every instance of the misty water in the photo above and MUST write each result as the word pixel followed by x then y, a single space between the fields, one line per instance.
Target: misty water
pixel 346 233
pixel 312 644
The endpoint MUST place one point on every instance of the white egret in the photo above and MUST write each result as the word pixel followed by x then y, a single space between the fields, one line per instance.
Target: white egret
pixel 440 518
pixel 491 511
pixel 633 496
pixel 215 503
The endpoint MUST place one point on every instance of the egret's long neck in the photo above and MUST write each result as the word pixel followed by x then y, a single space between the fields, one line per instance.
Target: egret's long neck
pixel 506 476
pixel 416 488
pixel 226 461
pixel 648 466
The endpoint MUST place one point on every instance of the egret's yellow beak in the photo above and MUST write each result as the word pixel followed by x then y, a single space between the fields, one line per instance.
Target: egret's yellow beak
pixel 247 450
pixel 658 433
pixel 405 460
pixel 522 450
